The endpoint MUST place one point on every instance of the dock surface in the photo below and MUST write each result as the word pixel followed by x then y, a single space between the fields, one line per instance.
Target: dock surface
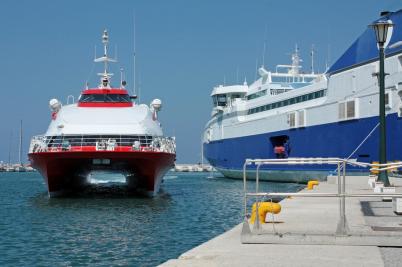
pixel 310 215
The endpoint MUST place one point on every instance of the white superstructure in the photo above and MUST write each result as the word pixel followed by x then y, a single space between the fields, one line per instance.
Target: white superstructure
pixel 288 113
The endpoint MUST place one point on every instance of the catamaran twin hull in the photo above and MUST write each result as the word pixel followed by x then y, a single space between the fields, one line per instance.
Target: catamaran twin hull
pixel 67 171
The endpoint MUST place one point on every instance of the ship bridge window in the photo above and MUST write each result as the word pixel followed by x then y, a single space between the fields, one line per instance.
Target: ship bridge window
pixel 219 100
pixel 104 98
pixel 234 96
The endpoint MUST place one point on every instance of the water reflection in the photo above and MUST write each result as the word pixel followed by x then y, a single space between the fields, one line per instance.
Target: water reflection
pixel 107 225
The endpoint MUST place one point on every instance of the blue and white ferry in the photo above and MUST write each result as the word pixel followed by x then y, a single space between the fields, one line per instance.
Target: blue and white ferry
pixel 286 113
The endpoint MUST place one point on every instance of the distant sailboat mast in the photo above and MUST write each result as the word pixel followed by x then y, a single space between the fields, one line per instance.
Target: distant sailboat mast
pixel 20 145
pixel 9 148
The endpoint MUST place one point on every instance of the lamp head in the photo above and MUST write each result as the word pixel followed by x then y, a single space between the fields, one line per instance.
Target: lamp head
pixel 381 31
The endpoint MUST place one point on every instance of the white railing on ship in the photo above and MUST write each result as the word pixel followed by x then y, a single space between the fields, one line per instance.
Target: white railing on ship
pixel 41 143
pixel 342 228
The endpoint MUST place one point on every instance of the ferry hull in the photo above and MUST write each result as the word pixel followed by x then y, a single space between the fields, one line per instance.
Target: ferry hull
pixel 67 171
pixel 328 140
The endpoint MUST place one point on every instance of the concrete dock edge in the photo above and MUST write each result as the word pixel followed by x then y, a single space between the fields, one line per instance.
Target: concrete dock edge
pixel 267 249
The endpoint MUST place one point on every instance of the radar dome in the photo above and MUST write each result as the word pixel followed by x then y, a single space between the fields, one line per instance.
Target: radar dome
pixel 156 104
pixel 54 105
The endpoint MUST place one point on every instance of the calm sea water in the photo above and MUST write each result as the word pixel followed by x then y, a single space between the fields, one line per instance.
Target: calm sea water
pixel 108 227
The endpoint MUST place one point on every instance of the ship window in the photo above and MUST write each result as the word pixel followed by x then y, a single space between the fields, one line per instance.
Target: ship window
pixel 299 99
pixel 221 100
pixel 102 98
pixel 301 118
pixel 303 98
pixel 350 109
pixel 256 95
pixel 215 100
pixel 297 119
pixel 347 110
pixel 342 110
pixel 292 119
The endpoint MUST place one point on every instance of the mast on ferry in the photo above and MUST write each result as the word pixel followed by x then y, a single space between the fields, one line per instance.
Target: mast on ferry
pixel 106 75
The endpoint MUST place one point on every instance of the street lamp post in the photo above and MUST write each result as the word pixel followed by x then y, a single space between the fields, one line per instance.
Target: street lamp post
pixel 381 31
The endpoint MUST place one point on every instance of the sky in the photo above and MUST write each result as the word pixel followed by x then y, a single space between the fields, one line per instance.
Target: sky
pixel 183 49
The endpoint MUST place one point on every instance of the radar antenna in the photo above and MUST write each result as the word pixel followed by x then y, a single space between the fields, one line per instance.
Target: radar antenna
pixel 295 62
pixel 106 75
pixel 312 58
pixel 134 63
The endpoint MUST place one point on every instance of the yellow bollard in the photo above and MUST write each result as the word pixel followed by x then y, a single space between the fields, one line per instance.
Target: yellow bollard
pixel 375 172
pixel 311 184
pixel 263 209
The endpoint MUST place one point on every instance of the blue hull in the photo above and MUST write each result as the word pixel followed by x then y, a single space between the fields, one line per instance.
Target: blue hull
pixel 338 139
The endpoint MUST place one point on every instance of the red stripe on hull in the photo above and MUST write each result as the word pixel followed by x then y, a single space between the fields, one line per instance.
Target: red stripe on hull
pixel 67 171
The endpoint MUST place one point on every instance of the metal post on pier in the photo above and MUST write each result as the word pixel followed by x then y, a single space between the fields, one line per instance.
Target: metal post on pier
pixel 245 189
pixel 246 227
pixel 257 225
pixel 342 228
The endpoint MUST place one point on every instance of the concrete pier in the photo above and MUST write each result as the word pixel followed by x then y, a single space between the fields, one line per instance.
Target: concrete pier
pixel 308 227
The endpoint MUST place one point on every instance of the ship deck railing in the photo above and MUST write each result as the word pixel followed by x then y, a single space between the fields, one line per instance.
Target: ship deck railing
pixel 341 194
pixel 41 143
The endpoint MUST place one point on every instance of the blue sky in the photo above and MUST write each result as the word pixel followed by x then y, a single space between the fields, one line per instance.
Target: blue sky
pixel 184 49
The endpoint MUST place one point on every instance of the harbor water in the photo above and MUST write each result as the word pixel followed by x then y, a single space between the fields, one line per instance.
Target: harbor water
pixel 105 226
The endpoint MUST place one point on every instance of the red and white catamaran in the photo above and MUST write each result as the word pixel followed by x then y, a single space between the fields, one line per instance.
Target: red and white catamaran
pixel 105 130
